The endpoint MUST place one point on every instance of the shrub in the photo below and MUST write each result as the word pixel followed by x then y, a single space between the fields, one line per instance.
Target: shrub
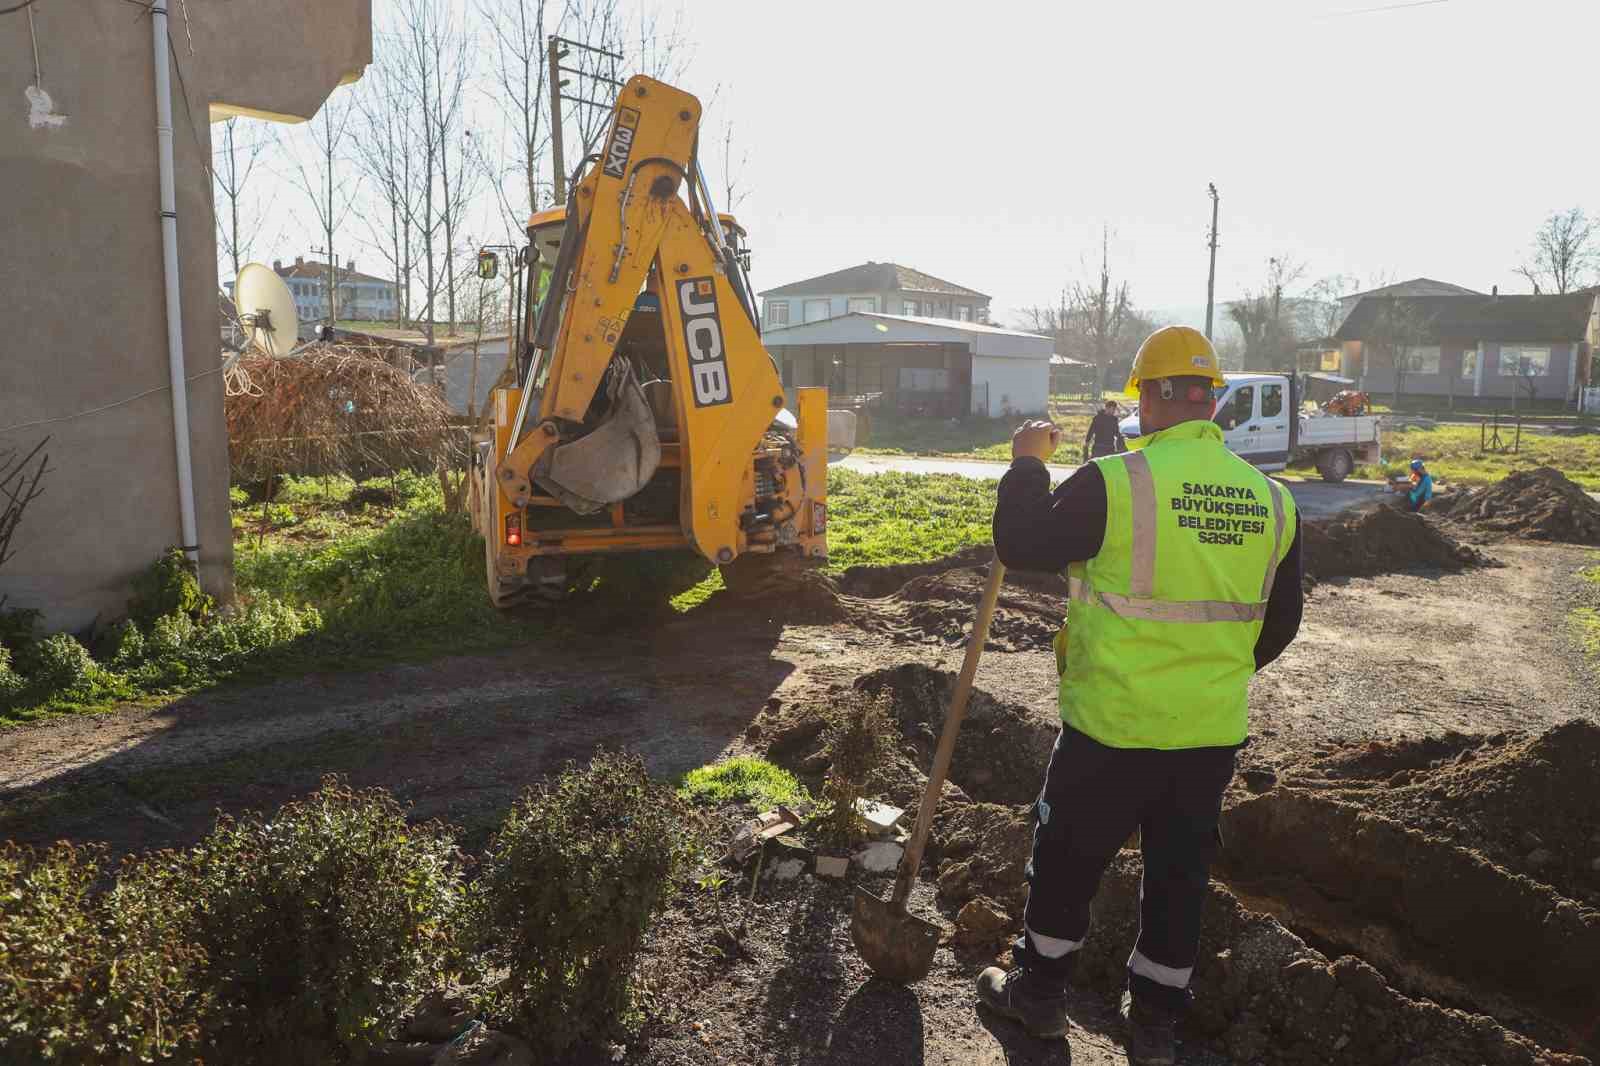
pixel 321 925
pixel 859 738
pixel 89 979
pixel 169 586
pixel 60 664
pixel 11 682
pixel 567 889
pixel 743 779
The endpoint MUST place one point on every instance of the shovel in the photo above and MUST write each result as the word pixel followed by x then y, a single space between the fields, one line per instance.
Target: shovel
pixel 894 943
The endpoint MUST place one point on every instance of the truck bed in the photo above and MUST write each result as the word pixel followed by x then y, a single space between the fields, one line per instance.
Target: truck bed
pixel 1319 430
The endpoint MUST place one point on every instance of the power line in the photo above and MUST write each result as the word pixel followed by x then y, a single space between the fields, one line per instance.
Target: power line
pixel 1385 7
pixel 107 407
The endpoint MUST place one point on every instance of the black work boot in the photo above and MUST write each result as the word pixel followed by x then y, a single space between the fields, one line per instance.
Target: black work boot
pixel 1041 1006
pixel 1152 1037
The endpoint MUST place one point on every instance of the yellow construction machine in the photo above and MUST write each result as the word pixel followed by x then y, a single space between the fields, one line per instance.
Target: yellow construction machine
pixel 645 414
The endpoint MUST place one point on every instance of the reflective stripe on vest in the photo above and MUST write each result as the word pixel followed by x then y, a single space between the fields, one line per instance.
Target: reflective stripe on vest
pixel 1162 622
pixel 1142 575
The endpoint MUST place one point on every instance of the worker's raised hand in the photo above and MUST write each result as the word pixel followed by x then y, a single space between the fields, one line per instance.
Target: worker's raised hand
pixel 1035 437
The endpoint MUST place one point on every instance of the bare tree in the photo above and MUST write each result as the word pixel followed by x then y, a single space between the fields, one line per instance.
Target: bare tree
pixel 733 168
pixel 329 185
pixel 384 156
pixel 1563 252
pixel 1103 313
pixel 520 80
pixel 1399 327
pixel 20 477
pixel 234 163
pixel 1265 321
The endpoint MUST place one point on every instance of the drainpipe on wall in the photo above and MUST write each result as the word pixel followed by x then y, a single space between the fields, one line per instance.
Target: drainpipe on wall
pixel 169 263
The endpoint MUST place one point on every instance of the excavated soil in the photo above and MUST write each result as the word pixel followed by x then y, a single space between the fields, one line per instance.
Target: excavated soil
pixel 1527 802
pixel 1001 759
pixel 1381 540
pixel 1271 998
pixel 914 603
pixel 1464 867
pixel 1514 963
pixel 1541 504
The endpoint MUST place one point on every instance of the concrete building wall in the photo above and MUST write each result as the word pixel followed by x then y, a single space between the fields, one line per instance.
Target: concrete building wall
pixel 83 332
pixel 1014 386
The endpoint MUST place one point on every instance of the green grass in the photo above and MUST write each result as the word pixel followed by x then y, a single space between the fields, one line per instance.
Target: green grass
pixel 880 519
pixel 1453 455
pixel 379 573
pixel 743 780
pixel 966 438
pixel 1584 621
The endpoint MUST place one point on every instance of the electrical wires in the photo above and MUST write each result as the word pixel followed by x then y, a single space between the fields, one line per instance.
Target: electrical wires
pixel 14 8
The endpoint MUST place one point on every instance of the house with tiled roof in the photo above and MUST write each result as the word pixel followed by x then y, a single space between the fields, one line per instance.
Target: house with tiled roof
pixel 362 297
pixel 1497 349
pixel 871 288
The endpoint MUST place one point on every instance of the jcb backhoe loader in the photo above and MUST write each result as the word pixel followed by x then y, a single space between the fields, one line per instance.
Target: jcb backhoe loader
pixel 647 416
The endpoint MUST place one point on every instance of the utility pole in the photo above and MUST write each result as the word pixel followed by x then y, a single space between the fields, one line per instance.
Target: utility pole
pixel 331 275
pixel 559 49
pixel 1211 278
pixel 557 163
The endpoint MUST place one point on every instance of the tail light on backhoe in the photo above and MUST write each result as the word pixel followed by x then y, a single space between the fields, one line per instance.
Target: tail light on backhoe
pixel 514 529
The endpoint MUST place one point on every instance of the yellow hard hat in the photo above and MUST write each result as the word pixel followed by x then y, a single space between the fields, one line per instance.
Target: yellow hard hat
pixel 1173 352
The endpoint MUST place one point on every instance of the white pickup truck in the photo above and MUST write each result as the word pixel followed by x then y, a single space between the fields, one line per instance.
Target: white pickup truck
pixel 1257 413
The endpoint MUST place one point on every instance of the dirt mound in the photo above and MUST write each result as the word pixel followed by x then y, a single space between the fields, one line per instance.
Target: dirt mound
pixel 913 602
pixel 981 850
pixel 1525 802
pixel 1266 997
pixel 1001 758
pixel 1440 921
pixel 1542 504
pixel 1381 540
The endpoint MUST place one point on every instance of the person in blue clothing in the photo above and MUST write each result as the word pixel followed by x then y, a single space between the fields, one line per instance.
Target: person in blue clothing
pixel 1421 485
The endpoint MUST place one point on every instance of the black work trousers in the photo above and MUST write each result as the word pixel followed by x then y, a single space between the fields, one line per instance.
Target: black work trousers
pixel 1093 799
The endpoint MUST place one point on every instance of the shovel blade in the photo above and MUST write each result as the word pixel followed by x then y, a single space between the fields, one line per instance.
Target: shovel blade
pixel 895 944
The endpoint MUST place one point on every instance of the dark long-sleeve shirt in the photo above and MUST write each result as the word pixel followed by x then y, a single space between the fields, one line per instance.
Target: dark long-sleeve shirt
pixel 1036 529
pixel 1104 436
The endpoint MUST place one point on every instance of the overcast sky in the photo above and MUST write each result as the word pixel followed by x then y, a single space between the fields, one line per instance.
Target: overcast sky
pixel 988 143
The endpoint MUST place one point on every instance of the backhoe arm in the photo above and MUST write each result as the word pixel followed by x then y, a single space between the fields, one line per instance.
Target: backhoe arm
pixel 619 213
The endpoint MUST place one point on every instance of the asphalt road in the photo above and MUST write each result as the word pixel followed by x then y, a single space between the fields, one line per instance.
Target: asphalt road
pixel 1316 499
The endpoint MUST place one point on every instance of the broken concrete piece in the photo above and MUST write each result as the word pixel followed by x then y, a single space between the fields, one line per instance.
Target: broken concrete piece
pixel 786 870
pixel 756 832
pixel 881 818
pixel 880 857
pixel 832 865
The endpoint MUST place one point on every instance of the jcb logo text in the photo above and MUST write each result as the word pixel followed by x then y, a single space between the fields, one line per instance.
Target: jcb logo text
pixel 702 333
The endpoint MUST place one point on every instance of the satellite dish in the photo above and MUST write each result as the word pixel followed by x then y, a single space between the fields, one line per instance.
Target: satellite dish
pixel 266 310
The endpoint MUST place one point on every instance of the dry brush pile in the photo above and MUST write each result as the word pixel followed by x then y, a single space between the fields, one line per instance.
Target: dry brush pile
pixel 335 409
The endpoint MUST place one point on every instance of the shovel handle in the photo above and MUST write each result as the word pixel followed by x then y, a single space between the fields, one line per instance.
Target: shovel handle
pixel 912 860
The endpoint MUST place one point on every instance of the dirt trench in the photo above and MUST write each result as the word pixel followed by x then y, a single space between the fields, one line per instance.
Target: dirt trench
pixel 1382 540
pixel 1442 956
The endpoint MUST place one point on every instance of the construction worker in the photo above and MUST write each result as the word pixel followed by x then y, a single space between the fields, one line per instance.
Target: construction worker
pixel 1421 485
pixel 1105 435
pixel 1184 573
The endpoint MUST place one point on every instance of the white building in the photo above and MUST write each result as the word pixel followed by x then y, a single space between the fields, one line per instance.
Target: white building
pixel 917 365
pixel 362 297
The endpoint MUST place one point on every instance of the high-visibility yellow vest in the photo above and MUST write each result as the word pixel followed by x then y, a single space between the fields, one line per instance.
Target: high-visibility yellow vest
pixel 1164 620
